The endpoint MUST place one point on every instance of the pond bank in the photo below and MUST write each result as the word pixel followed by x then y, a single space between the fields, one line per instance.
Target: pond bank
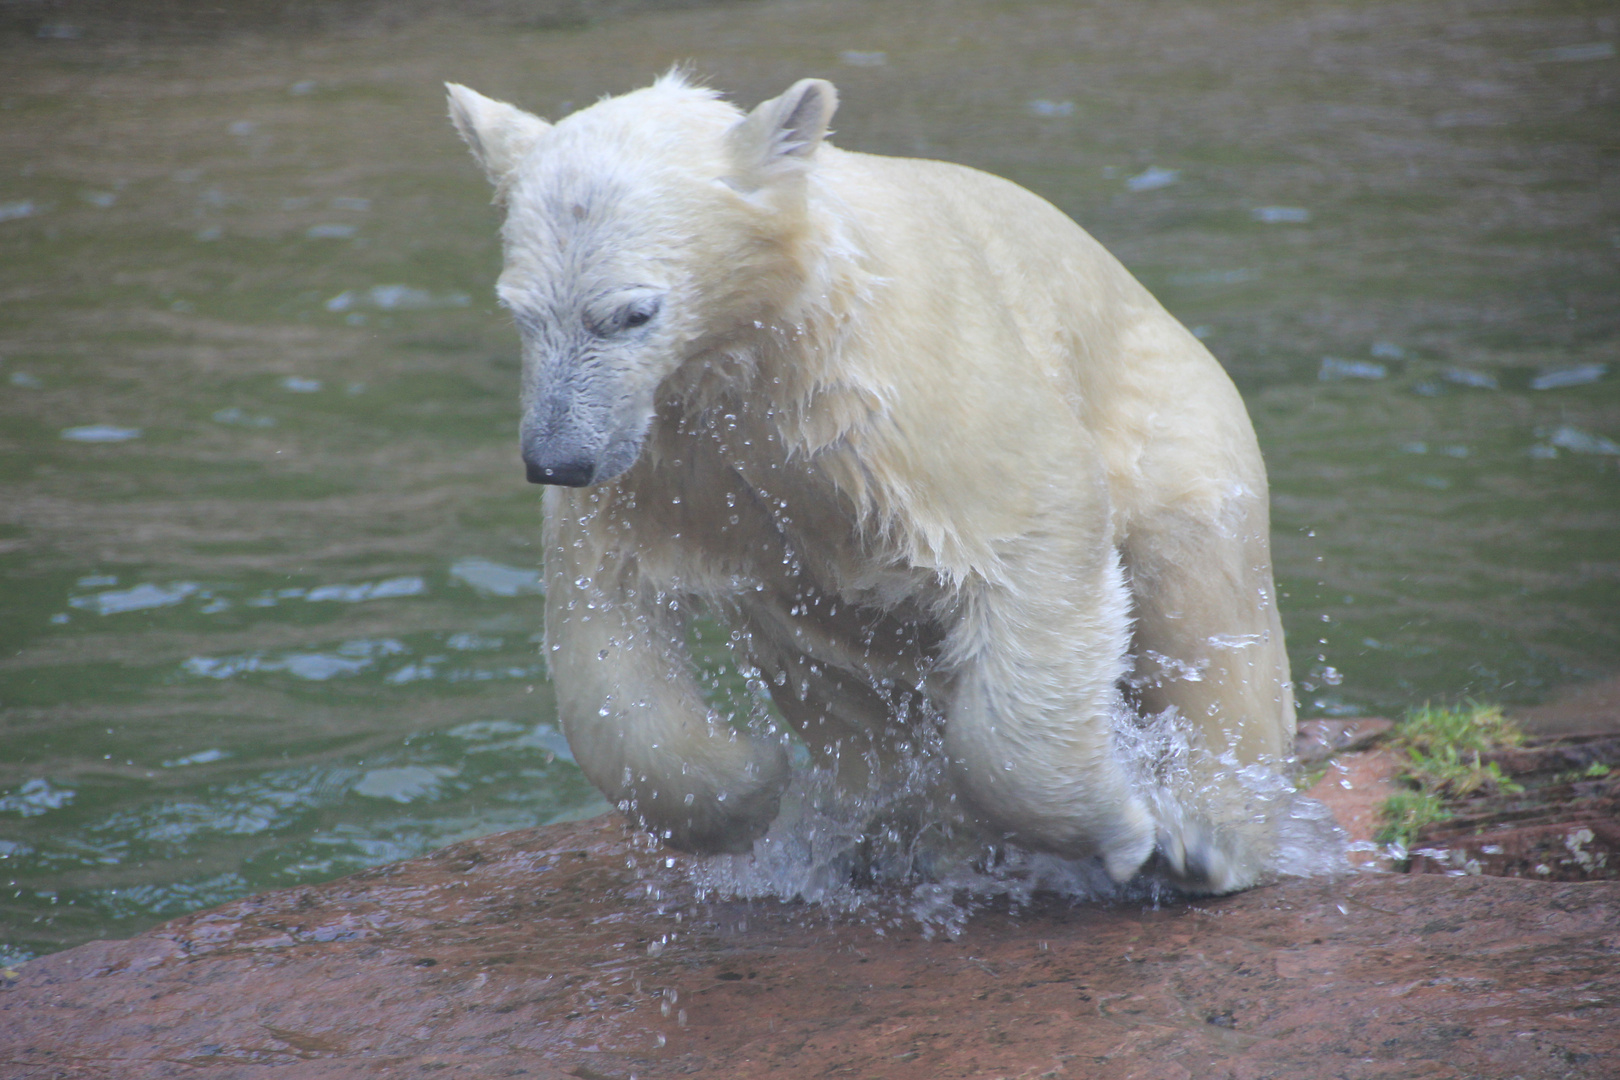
pixel 573 951
pixel 578 951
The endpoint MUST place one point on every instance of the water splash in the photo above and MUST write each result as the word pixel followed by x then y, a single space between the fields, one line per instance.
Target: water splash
pixel 931 865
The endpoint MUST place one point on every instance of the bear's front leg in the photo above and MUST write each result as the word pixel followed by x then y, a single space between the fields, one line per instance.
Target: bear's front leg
pixel 630 704
pixel 1036 658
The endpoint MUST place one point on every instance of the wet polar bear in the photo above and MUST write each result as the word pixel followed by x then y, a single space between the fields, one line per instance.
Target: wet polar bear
pixel 936 457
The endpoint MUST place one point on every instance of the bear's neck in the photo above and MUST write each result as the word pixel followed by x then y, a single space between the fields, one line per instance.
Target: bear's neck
pixel 798 360
pixel 785 393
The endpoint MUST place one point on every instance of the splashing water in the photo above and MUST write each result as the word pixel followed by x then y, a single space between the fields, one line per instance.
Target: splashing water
pixel 908 851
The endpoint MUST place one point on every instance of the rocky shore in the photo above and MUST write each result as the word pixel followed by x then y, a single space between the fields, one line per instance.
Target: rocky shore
pixel 576 951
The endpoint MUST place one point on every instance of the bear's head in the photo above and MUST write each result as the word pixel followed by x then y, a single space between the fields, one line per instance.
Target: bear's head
pixel 644 232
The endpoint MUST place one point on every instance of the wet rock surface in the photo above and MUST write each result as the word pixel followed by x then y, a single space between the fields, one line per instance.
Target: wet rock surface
pixel 1564 825
pixel 1558 820
pixel 575 951
pixel 1319 740
pixel 579 951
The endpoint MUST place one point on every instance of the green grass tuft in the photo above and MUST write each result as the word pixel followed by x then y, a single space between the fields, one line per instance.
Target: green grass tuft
pixel 1470 726
pixel 1405 813
pixel 1443 747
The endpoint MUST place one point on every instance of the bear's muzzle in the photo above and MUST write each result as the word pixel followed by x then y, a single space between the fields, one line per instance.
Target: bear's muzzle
pixel 565 473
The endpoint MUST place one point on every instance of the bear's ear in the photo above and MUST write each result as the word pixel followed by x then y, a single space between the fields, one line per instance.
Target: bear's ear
pixel 498 134
pixel 780 135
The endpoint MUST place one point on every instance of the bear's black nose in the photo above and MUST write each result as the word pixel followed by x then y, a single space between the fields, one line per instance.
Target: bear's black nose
pixel 566 473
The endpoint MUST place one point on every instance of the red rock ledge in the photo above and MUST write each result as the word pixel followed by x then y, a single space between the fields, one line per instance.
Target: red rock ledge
pixel 545 954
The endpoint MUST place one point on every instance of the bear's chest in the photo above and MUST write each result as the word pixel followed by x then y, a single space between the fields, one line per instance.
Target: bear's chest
pixel 770 541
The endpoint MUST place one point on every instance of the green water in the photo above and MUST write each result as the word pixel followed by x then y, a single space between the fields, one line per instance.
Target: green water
pixel 286 629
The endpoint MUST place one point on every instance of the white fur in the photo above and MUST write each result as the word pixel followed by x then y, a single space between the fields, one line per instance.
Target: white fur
pixel 907 426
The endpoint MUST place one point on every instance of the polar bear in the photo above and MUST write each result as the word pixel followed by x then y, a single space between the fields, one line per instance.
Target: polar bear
pixel 927 447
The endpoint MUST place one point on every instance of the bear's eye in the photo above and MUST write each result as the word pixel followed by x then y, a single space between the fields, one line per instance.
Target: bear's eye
pixel 638 313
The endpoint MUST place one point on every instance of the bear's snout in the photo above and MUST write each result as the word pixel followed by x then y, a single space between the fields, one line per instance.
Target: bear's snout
pixel 575 443
pixel 558 444
pixel 566 473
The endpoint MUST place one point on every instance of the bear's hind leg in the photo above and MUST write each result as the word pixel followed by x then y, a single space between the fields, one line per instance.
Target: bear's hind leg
pixel 1210 660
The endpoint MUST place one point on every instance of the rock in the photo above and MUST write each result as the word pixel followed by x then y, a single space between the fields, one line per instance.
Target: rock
pixel 1318 740
pixel 1549 757
pixel 1563 824
pixel 575 951
pixel 1354 787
